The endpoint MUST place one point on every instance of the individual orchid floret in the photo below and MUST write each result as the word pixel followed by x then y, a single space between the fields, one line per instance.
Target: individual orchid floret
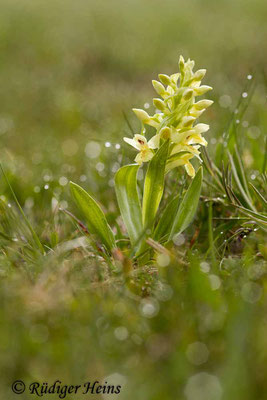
pixel 176 113
pixel 140 143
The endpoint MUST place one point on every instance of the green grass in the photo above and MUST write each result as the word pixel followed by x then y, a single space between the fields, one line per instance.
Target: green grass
pixel 70 72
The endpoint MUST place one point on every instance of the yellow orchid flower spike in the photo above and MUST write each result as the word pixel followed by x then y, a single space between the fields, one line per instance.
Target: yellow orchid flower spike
pixel 176 113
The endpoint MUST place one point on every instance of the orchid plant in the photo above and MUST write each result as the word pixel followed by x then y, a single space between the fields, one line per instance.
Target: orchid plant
pixel 177 139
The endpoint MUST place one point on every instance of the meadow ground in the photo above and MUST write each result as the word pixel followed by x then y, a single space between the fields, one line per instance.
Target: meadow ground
pixel 191 326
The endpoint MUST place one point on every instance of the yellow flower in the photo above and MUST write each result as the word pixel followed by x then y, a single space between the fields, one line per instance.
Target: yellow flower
pixel 176 113
pixel 140 143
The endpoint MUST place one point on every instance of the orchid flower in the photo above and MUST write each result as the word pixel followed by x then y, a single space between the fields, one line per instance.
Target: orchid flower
pixel 140 143
pixel 175 117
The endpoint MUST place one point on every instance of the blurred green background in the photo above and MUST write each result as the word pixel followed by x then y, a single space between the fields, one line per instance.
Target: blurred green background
pixel 70 72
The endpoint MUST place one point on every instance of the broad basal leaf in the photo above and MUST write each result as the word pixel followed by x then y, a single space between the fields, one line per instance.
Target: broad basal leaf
pixel 95 218
pixel 128 200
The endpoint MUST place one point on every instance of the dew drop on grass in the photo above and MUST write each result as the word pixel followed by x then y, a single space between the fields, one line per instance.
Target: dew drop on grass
pixel 121 333
pixel 197 353
pixel 83 178
pixel 179 240
pixel 100 167
pixel 163 260
pixel 36 189
pixel 92 149
pixel 251 292
pixel 63 181
pixel 149 307
pixel 203 386
pixel 215 282
pixel 205 267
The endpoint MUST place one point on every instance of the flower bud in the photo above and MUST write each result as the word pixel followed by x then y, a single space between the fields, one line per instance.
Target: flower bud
pixel 196 113
pixel 165 132
pixel 199 75
pixel 181 64
pixel 165 79
pixel 187 121
pixel 175 77
pixel 201 128
pixel 202 104
pixel 160 89
pixel 202 90
pixel 159 104
pixel 141 114
pixel 188 93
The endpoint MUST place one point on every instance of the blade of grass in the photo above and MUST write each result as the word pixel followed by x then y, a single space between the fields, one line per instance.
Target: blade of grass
pixel 27 222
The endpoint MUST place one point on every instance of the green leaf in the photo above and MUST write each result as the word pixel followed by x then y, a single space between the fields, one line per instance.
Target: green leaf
pixel 165 223
pixel 128 200
pixel 154 185
pixel 95 218
pixel 238 181
pixel 259 195
pixel 188 205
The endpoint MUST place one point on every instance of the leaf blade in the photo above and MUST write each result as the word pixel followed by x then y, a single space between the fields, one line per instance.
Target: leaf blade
pixel 165 223
pixel 154 185
pixel 94 215
pixel 188 206
pixel 128 200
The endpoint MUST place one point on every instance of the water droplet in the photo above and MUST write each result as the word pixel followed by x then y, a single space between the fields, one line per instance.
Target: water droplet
pixel 63 181
pixel 251 292
pixel 100 167
pixel 215 282
pixel 205 267
pixel 179 240
pixel 203 386
pixel 163 260
pixel 197 353
pixel 149 307
pixel 121 333
pixel 83 178
pixel 92 149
